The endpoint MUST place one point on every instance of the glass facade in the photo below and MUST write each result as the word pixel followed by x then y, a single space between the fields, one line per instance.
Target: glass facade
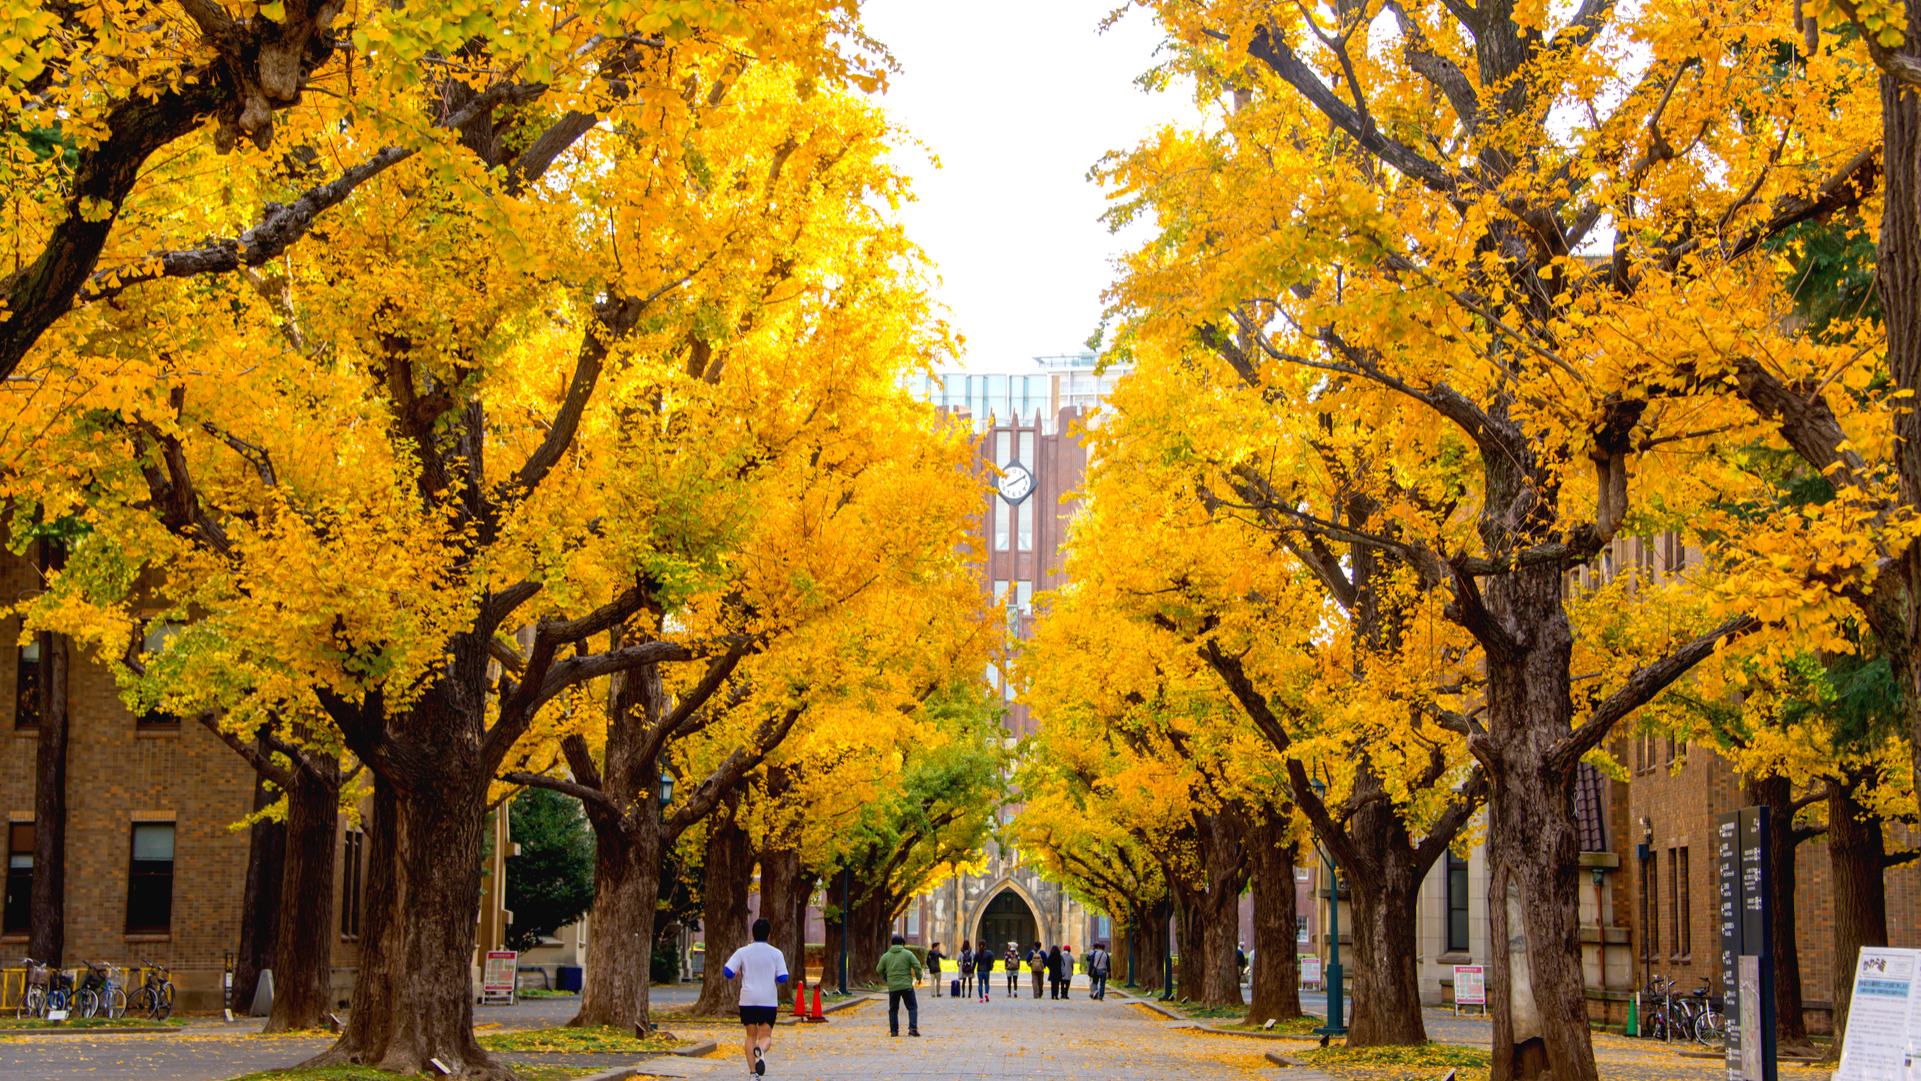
pixel 1031 399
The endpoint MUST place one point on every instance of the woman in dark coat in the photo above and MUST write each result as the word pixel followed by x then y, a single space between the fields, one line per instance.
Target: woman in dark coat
pixel 1054 965
pixel 967 968
pixel 984 968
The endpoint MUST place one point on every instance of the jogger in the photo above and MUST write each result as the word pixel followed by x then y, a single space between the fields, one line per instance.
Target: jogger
pixel 761 969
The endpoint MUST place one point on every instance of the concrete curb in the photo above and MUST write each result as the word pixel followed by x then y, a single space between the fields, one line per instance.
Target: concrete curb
pixel 1259 1035
pixel 145 1030
pixel 1296 1071
pixel 699 1049
pixel 618 1073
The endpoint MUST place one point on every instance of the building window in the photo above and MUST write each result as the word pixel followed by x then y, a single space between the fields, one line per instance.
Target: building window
pixel 1674 906
pixel 350 850
pixel 913 920
pixel 1024 597
pixel 150 879
pixel 26 685
pixel 1650 908
pixel 1457 940
pixel 157 637
pixel 18 918
pixel 1002 513
pixel 1682 921
pixel 1024 515
pixel 1303 935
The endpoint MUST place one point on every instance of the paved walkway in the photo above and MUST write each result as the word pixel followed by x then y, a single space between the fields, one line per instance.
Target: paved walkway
pixel 1074 1040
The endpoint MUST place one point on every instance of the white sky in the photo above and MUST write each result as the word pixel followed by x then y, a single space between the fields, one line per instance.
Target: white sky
pixel 1018 100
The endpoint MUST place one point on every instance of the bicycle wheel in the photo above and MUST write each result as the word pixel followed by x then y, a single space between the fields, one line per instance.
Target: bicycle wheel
pixel 56 1000
pixel 33 1002
pixel 114 1001
pixel 163 1007
pixel 85 1003
pixel 1708 1028
pixel 1657 1023
pixel 142 1001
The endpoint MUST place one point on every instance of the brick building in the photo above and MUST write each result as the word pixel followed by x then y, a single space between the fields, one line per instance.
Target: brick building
pixel 156 849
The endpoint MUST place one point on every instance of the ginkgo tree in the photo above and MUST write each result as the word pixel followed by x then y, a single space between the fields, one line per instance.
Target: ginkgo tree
pixel 1505 243
pixel 486 406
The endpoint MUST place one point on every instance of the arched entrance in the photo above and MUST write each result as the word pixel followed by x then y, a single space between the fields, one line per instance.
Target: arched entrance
pixel 1008 919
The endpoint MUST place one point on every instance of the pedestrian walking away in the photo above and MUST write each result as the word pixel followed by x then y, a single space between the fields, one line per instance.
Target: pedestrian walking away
pixel 1067 970
pixel 1054 972
pixel 1037 964
pixel 761 969
pixel 1240 962
pixel 1012 962
pixel 1098 964
pixel 934 959
pixel 967 968
pixel 901 969
pixel 984 968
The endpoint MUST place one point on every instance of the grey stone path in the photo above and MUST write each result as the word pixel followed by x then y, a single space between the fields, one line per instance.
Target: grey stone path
pixel 1024 1038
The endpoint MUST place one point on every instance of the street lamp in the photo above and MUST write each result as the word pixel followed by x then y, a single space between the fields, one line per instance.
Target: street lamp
pixel 1167 954
pixel 1336 1006
pixel 666 788
pixel 846 924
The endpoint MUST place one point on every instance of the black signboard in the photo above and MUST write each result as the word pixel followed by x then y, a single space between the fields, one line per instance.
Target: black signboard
pixel 1727 860
pixel 1747 962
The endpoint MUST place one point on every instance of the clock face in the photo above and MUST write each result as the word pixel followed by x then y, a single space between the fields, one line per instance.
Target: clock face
pixel 1016 483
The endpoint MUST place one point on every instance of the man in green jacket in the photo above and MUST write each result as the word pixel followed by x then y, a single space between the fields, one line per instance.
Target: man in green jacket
pixel 901 970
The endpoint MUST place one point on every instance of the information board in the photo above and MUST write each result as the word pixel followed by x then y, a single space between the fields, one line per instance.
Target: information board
pixel 497 978
pixel 1310 968
pixel 1470 985
pixel 1884 1018
pixel 1747 961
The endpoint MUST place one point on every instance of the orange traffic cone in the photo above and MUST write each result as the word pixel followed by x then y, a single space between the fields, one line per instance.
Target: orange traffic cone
pixel 800 1000
pixel 817 1015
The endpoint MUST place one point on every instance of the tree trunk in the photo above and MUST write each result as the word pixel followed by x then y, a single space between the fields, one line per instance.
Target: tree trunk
pixel 1857 854
pixel 303 951
pixel 1276 989
pixel 259 899
pixel 1220 907
pixel 728 874
pixel 783 900
pixel 1777 795
pixel 871 929
pixel 414 998
pixel 1382 891
pixel 1190 934
pixel 1150 943
pixel 835 925
pixel 47 940
pixel 1895 610
pixel 621 924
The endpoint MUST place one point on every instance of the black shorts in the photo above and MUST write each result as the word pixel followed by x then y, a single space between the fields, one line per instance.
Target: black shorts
pixel 759 1015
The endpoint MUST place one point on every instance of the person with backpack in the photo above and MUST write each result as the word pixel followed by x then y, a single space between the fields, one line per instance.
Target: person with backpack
pixel 1054 971
pixel 984 968
pixel 1012 962
pixel 1037 964
pixel 934 959
pixel 1098 964
pixel 901 969
pixel 1067 970
pixel 967 968
pixel 761 969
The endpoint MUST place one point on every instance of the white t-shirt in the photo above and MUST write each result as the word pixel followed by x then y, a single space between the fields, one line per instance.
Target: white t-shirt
pixel 760 968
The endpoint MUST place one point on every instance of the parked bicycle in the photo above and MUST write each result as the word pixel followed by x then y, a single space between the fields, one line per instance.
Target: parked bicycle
pixel 1657 1009
pixel 1701 1013
pixel 100 995
pixel 33 998
pixel 155 996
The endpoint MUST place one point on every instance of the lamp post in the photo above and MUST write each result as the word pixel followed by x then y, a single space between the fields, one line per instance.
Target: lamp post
pixel 1336 1006
pixel 1167 954
pixel 846 925
pixel 666 791
pixel 1133 936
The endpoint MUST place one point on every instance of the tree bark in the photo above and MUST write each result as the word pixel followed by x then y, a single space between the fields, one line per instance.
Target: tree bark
pixel 1190 963
pixel 1894 607
pixel 47 940
pixel 304 938
pixel 259 899
pixel 621 939
pixel 1382 892
pixel 728 874
pixel 1150 941
pixel 1777 795
pixel 1857 854
pixel 1225 860
pixel 1276 989
pixel 1538 995
pixel 414 998
pixel 871 924
pixel 783 900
